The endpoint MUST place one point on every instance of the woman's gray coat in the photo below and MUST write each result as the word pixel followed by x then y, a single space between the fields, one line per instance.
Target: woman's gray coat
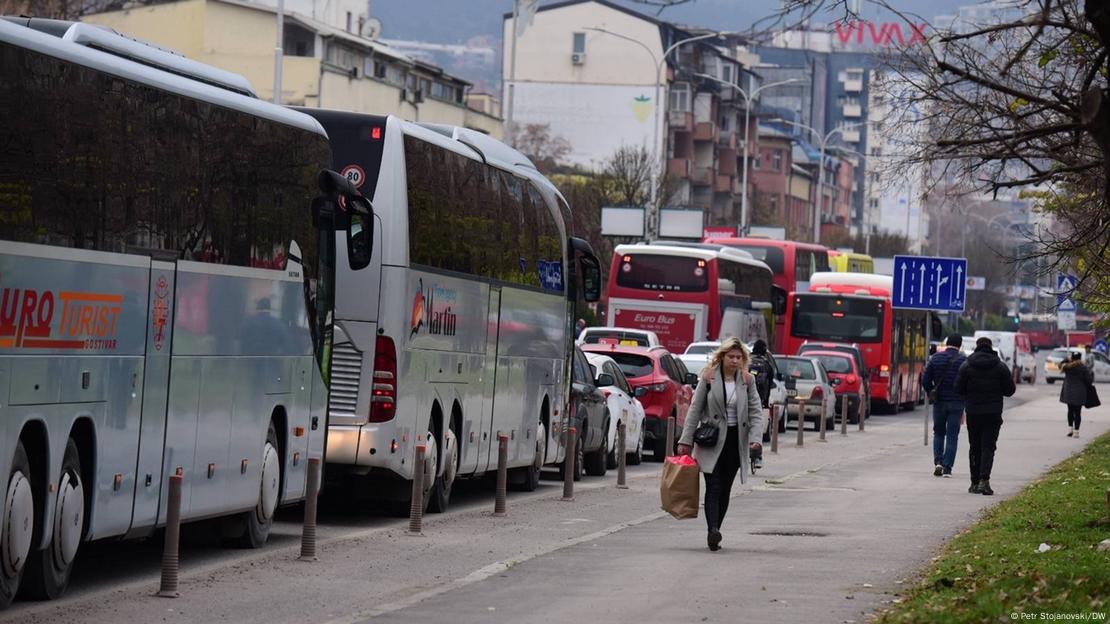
pixel 709 406
pixel 1076 379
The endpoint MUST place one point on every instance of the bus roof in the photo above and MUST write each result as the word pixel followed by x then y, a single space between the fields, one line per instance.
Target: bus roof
pixel 110 52
pixel 701 252
pixel 874 284
pixel 763 242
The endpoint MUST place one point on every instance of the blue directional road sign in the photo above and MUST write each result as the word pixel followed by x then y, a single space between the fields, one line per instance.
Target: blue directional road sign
pixel 926 283
pixel 1065 286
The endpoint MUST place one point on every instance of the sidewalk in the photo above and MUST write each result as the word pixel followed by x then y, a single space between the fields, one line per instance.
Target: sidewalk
pixel 828 546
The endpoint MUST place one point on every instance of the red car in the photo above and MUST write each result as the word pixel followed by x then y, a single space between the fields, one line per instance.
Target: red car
pixel 670 388
pixel 846 380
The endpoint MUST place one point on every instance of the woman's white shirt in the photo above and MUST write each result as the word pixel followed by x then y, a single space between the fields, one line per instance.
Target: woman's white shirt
pixel 731 412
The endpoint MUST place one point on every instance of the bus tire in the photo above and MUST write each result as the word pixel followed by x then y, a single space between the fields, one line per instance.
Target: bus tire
pixel 19 524
pixel 251 529
pixel 529 479
pixel 440 496
pixel 48 570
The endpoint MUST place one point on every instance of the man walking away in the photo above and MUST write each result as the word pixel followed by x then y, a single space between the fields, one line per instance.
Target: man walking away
pixel 939 382
pixel 763 368
pixel 982 382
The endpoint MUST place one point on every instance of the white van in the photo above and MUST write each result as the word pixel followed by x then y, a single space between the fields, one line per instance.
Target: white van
pixel 1015 350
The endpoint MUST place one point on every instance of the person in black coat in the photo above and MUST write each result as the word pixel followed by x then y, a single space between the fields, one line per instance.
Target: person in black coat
pixel 1077 376
pixel 982 382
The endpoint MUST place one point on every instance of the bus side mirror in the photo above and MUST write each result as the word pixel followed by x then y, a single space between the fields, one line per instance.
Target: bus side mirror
pixel 778 299
pixel 590 268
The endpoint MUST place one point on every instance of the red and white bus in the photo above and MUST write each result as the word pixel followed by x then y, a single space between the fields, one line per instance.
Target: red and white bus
pixel 855 308
pixel 793 263
pixel 686 294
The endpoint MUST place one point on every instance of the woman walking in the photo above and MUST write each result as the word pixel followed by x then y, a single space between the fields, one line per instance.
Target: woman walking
pixel 1074 393
pixel 727 409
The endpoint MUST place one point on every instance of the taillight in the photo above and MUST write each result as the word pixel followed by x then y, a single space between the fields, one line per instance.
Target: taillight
pixel 817 394
pixel 659 387
pixel 383 398
pixel 884 371
pixel 852 379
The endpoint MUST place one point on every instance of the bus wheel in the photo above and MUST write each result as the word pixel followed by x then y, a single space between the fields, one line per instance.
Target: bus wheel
pixel 48 569
pixel 252 528
pixel 18 525
pixel 531 474
pixel 440 496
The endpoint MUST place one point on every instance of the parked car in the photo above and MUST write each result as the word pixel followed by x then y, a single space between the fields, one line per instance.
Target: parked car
pixel 697 355
pixel 846 380
pixel 1057 357
pixel 624 402
pixel 857 356
pixel 668 394
pixel 619 335
pixel 590 413
pixel 815 392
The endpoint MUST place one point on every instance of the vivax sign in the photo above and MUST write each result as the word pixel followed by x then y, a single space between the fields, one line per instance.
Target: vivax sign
pixel 881 33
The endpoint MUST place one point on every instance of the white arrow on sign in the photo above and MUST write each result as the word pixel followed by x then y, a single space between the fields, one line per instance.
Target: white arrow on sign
pixel 959 284
pixel 921 285
pixel 903 289
pixel 941 281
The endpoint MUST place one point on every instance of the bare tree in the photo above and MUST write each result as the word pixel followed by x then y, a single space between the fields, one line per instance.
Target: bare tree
pixel 63 9
pixel 545 149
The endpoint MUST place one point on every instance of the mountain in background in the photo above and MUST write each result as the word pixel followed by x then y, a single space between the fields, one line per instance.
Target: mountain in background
pixel 478 23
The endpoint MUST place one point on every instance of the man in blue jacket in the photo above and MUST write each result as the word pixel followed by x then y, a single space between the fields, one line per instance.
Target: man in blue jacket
pixel 948 406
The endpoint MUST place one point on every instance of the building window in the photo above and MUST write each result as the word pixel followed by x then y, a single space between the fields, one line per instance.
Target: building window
pixel 875 178
pixel 756 162
pixel 380 70
pixel 579 43
pixel 776 161
pixel 680 97
pixel 876 151
pixel 725 123
pixel 349 21
pixel 873 202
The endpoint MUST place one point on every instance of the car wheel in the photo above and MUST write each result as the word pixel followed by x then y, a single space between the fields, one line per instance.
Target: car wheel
pixel 635 458
pixel 596 461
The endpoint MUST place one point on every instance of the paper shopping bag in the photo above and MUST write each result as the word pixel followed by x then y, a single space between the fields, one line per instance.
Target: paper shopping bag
pixel 679 487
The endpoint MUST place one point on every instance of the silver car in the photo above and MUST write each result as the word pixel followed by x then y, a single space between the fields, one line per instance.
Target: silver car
pixel 814 390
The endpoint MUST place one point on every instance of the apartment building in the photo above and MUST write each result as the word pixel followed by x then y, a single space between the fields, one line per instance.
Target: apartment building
pixel 327 64
pixel 591 71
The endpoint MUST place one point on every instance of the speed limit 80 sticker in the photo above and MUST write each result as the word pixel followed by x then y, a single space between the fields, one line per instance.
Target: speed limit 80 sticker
pixel 354 174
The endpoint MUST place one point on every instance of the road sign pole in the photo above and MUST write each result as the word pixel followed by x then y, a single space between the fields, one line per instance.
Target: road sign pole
pixel 928 339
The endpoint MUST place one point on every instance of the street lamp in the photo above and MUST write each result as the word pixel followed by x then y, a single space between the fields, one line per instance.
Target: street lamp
pixel 747 109
pixel 659 62
pixel 823 142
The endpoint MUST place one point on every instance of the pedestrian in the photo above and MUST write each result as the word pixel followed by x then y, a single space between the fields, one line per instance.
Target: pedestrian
pixel 727 404
pixel 1088 357
pixel 939 382
pixel 763 367
pixel 1077 376
pixel 982 382
pixel 579 326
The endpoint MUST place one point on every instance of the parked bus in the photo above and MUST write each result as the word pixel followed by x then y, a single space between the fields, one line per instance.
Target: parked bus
pixel 793 263
pixel 157 252
pixel 850 262
pixel 689 293
pixel 856 308
pixel 460 326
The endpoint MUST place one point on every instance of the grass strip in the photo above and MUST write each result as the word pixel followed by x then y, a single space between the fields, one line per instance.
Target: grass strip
pixel 994 570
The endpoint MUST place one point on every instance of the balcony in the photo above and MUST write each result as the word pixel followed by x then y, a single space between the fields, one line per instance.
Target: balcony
pixel 727 139
pixel 853 85
pixel 852 110
pixel 702 176
pixel 679 167
pixel 723 184
pixel 681 121
pixel 726 161
pixel 850 135
pixel 706 131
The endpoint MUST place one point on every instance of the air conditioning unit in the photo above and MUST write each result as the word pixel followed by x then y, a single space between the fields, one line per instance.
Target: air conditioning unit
pixel 578 58
pixel 418 96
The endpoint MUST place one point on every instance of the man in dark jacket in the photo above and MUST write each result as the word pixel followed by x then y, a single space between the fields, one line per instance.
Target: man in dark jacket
pixel 940 375
pixel 982 382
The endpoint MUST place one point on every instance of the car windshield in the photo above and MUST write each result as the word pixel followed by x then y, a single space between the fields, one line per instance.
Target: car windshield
pixel 632 364
pixel 624 338
pixel 696 349
pixel 799 369
pixel 835 363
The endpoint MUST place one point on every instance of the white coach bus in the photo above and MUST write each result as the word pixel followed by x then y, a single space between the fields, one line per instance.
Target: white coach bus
pixel 460 327
pixel 156 250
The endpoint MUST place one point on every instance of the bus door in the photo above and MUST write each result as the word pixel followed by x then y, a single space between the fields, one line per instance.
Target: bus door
pixel 150 473
pixel 486 436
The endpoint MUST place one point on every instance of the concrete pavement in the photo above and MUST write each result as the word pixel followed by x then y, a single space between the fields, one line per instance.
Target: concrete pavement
pixel 825 535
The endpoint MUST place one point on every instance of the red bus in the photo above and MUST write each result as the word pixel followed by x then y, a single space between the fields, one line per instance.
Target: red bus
pixel 855 308
pixel 687 294
pixel 791 262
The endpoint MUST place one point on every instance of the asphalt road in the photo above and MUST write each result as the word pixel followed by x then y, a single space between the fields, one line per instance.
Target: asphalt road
pixel 826 533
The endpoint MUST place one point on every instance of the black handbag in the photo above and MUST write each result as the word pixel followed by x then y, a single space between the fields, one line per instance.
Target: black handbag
pixel 706 435
pixel 1092 397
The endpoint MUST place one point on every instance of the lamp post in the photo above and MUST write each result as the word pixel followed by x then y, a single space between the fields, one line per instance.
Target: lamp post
pixel 747 110
pixel 823 142
pixel 653 224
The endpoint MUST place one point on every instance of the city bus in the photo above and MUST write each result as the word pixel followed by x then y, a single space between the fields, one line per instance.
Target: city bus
pixel 460 327
pixel 792 263
pixel 689 293
pixel 159 303
pixel 850 262
pixel 855 308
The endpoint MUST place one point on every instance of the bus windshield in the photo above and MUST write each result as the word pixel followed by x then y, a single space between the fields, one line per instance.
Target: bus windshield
pixel 838 318
pixel 663 272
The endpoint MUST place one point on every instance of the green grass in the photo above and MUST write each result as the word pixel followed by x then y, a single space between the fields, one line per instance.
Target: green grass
pixel 993 570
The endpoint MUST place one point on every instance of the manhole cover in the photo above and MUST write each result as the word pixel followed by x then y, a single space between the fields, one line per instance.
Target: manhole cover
pixel 798 533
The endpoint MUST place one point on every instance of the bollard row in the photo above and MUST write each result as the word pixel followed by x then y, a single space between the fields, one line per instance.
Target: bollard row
pixel 416 510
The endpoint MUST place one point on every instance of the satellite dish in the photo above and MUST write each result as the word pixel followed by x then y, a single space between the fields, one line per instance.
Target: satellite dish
pixel 373 28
